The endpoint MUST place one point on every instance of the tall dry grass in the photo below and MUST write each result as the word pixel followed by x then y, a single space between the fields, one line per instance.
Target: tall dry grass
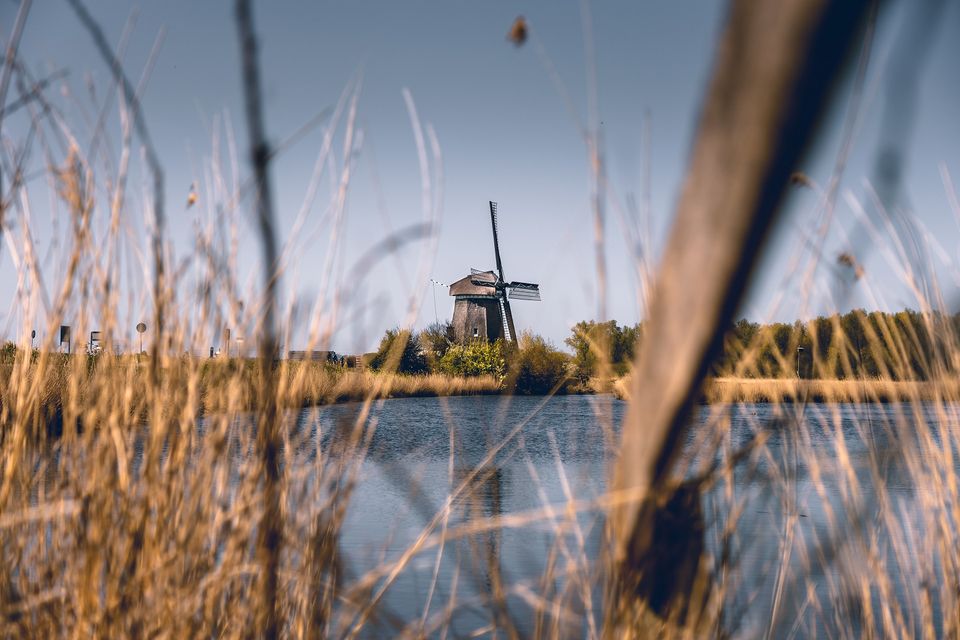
pixel 126 511
pixel 127 505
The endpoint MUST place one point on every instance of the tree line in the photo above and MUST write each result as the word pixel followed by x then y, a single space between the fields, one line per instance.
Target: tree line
pixel 907 345
pixel 531 367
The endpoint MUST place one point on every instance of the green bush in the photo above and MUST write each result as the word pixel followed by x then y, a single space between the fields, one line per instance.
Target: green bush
pixel 537 368
pixel 476 358
pixel 400 353
pixel 8 352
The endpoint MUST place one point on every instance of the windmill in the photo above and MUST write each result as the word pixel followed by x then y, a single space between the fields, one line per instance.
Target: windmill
pixel 482 307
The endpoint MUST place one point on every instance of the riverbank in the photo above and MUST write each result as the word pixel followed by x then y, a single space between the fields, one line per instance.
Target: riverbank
pixel 81 389
pixel 778 390
pixel 323 387
pixel 93 389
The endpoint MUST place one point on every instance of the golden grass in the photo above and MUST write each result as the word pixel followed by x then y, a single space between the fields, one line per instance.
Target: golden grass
pixel 322 387
pixel 307 383
pixel 791 390
pixel 788 390
pixel 138 518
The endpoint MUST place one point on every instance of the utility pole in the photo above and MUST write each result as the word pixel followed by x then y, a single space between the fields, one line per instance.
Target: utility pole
pixel 436 315
pixel 141 327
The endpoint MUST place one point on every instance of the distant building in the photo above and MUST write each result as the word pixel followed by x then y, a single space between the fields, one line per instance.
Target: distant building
pixel 314 356
pixel 482 307
pixel 477 309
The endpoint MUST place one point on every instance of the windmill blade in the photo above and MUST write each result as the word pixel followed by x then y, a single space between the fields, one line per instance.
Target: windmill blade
pixel 505 306
pixel 524 291
pixel 478 272
pixel 483 283
pixel 496 240
pixel 525 294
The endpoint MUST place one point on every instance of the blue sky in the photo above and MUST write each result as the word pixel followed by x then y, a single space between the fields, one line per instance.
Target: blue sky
pixel 504 131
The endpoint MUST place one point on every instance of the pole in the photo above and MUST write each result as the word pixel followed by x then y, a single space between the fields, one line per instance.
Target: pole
pixel 799 350
pixel 436 315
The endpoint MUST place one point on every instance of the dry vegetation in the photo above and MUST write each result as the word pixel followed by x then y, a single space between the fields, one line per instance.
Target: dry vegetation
pixel 304 384
pixel 785 390
pixel 857 391
pixel 163 497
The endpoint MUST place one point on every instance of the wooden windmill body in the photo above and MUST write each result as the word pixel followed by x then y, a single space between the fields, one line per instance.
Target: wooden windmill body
pixel 482 307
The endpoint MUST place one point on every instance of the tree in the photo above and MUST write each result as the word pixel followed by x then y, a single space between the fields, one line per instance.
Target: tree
pixel 435 340
pixel 596 343
pixel 399 353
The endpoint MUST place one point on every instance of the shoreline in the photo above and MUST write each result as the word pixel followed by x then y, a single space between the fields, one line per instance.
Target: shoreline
pixel 792 390
pixel 233 385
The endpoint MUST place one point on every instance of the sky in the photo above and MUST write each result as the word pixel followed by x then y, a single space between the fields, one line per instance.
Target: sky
pixel 508 125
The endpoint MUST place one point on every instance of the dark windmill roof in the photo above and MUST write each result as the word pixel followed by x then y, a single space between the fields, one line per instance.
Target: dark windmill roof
pixel 463 286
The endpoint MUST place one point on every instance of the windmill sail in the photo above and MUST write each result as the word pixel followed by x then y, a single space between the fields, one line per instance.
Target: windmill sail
pixel 487 294
pixel 496 240
pixel 508 316
pixel 525 294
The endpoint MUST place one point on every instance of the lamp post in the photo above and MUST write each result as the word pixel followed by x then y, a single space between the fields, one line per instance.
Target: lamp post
pixel 141 327
pixel 799 351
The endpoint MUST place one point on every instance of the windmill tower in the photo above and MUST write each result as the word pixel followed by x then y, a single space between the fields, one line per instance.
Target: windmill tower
pixel 482 307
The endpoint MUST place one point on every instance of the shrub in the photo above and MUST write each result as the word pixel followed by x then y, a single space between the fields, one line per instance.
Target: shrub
pixel 476 358
pixel 536 367
pixel 8 352
pixel 399 353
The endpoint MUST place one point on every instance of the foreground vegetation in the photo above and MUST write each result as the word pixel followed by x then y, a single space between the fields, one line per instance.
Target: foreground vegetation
pixel 167 497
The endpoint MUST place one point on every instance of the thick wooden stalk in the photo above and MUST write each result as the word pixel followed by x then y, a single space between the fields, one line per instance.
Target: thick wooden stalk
pixel 775 65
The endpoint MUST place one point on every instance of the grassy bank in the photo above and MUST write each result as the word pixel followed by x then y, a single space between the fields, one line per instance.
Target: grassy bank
pixel 59 384
pixel 323 387
pixel 780 390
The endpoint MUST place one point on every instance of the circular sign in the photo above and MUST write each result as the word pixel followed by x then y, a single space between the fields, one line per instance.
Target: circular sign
pixel 33 334
pixel 141 327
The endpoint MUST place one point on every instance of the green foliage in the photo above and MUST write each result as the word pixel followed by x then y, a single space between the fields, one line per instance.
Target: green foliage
pixel 597 344
pixel 8 352
pixel 906 345
pixel 536 367
pixel 399 353
pixel 476 358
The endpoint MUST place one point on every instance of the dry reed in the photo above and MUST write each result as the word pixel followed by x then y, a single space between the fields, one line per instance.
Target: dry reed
pixel 126 510
pixel 790 390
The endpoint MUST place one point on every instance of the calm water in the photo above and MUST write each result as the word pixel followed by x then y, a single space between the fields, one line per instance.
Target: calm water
pixel 560 448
